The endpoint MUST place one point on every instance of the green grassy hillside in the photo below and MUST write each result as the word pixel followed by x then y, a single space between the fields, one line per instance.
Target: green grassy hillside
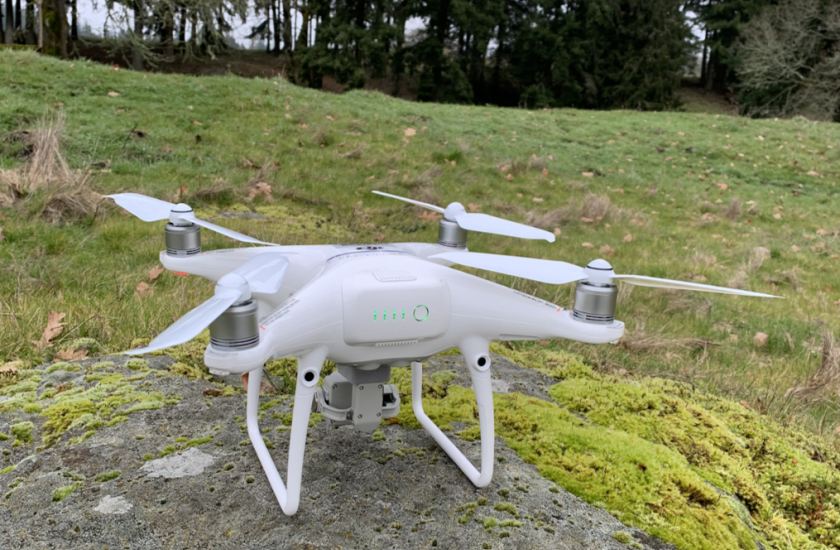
pixel 712 198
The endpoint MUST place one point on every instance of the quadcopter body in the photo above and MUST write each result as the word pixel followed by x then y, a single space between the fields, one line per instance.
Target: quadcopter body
pixel 369 308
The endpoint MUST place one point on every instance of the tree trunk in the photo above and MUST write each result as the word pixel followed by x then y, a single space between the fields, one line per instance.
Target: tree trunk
pixel 55 27
pixel 31 38
pixel 167 29
pixel 275 19
pixel 287 27
pixel 74 20
pixel 182 28
pixel 441 27
pixel 398 59
pixel 303 38
pixel 10 23
pixel 137 53
pixel 18 16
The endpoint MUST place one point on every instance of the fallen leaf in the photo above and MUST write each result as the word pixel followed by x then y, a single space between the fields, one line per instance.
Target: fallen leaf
pixel 11 367
pixel 744 404
pixel 812 174
pixel 54 328
pixel 628 238
pixel 708 216
pixel 587 245
pixel 70 354
pixel 330 118
pixel 504 168
pixel 545 171
pixel 428 215
pixel 587 220
pixel 155 272
pixel 410 132
pixel 557 232
pixel 538 199
pixel 288 115
pixel 119 111
pixel 795 248
pixel 760 339
pixel 197 123
pixel 473 207
pixel 777 216
pixel 509 177
pixel 821 232
pixel 588 174
pixel 637 222
pixel 116 67
pixel 607 250
pixel 619 191
pixel 113 94
pixel 722 186
pixel 142 290
pixel 262 189
pixel 1 235
pixel 543 342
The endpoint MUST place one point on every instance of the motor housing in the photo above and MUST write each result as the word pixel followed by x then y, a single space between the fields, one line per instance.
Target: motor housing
pixel 237 328
pixel 452 235
pixel 183 240
pixel 595 302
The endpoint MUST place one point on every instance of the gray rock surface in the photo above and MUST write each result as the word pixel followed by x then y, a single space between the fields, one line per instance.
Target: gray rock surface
pixel 359 491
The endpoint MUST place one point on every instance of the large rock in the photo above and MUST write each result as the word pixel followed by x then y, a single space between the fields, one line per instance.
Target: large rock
pixel 159 480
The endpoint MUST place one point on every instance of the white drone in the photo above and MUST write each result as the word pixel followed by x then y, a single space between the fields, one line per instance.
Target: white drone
pixel 372 307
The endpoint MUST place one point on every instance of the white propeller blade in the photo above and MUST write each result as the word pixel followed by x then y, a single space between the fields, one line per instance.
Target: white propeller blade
pixel 437 209
pixel 190 325
pixel 149 209
pixel 483 223
pixel 558 273
pixel 145 208
pixel 544 271
pixel 263 273
pixel 655 282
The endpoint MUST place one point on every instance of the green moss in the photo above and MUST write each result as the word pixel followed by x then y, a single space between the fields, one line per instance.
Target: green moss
pixel 506 507
pixel 108 476
pixel 61 365
pixel 102 365
pixel 378 435
pixel 489 523
pixel 22 431
pixel 168 450
pixel 511 523
pixel 32 408
pixel 191 371
pixel 108 401
pixel 135 363
pixel 444 376
pixel 249 479
pixel 7 469
pixel 622 537
pixel 147 457
pixel 198 441
pixel 3 437
pixel 62 492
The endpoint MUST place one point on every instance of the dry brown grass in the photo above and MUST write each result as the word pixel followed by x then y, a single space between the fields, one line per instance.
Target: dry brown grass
pixel 827 376
pixel 65 194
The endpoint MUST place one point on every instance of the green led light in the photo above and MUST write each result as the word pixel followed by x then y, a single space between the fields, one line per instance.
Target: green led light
pixel 374 315
pixel 403 317
pixel 384 314
pixel 395 315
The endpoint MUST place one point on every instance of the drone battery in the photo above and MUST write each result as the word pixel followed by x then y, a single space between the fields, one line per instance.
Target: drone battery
pixel 392 307
pixel 237 328
pixel 183 240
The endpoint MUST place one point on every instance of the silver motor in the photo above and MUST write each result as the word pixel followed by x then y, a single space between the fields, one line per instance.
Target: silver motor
pixel 237 328
pixel 595 303
pixel 358 397
pixel 183 240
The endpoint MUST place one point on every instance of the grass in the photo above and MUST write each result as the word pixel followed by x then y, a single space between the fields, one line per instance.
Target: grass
pixel 678 195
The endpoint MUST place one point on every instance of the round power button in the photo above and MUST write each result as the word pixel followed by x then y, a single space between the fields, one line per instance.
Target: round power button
pixel 421 313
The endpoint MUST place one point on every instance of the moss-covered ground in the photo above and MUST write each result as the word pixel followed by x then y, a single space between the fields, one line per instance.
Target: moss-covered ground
pixel 691 468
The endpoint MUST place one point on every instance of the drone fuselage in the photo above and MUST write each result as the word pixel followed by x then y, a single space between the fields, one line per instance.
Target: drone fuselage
pixel 372 305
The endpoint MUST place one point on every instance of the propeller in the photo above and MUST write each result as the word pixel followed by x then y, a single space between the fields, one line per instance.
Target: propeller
pixel 558 273
pixel 483 223
pixel 149 209
pixel 262 274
